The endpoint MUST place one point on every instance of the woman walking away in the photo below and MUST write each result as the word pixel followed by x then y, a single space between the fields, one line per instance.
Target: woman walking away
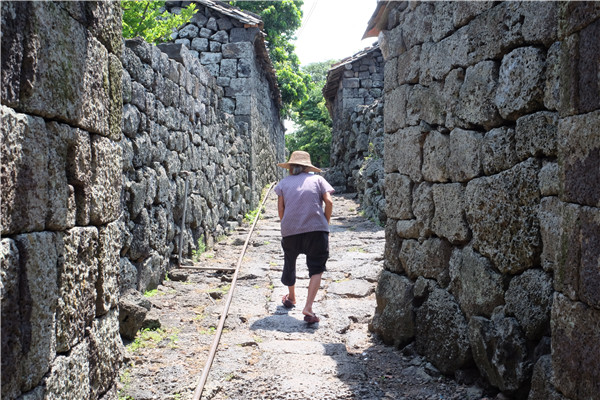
pixel 304 226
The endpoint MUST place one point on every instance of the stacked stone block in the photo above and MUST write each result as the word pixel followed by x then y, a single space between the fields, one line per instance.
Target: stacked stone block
pixel 491 178
pixel 61 196
pixel 355 81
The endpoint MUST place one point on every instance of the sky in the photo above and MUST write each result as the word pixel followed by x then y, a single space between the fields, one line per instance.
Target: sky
pixel 332 29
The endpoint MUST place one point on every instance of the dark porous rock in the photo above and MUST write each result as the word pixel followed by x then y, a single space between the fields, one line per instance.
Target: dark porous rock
pixel 178 275
pixel 478 287
pixel 575 352
pixel 394 315
pixel 441 332
pixel 500 352
pixel 541 382
pixel 529 300
pixel 502 213
pixel 133 308
pixel 428 259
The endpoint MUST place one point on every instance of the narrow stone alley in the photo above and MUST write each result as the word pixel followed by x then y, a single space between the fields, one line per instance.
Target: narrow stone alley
pixel 267 351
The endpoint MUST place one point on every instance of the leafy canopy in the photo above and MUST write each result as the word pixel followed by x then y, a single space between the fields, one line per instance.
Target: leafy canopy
pixel 151 21
pixel 312 118
pixel 281 20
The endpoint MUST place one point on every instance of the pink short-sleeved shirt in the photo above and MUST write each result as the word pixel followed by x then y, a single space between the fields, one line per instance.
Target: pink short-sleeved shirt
pixel 303 199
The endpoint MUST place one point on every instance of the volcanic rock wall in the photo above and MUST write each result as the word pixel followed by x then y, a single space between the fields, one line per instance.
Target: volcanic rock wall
pixel 86 210
pixel 354 81
pixel 492 181
pixel 61 198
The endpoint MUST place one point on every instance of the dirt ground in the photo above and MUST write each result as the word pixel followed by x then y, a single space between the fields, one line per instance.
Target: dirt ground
pixel 269 352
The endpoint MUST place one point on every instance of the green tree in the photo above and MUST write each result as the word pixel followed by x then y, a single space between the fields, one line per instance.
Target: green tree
pixel 281 20
pixel 312 118
pixel 151 21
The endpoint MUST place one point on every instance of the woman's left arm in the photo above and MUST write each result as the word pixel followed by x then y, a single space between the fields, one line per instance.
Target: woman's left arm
pixel 280 206
pixel 327 199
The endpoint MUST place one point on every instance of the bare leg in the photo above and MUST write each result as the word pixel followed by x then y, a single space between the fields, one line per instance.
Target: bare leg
pixel 313 287
pixel 291 294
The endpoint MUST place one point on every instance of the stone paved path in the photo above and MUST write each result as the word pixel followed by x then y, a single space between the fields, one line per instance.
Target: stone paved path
pixel 269 352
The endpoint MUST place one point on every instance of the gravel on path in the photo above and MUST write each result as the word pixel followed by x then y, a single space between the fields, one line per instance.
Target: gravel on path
pixel 269 352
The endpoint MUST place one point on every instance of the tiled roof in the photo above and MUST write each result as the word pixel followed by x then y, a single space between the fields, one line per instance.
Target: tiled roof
pixel 247 18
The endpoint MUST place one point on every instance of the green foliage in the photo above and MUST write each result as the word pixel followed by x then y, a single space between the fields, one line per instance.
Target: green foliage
pixel 148 338
pixel 151 21
pixel 281 20
pixel 313 119
pixel 201 249
pixel 151 293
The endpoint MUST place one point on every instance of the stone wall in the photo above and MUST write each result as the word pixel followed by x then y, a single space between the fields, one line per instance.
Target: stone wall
pixel 229 44
pixel 98 141
pixel 365 144
pixel 354 81
pixel 492 181
pixel 61 198
pixel 175 131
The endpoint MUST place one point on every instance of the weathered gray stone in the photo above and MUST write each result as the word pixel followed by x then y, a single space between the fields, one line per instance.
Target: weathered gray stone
pixel 579 159
pixel 550 215
pixel 425 104
pixel 423 207
pixel 107 286
pixel 105 355
pixel 464 160
pixel 403 152
pixel 529 300
pixel 476 98
pixel 395 109
pixel 575 352
pixel 441 332
pixel 67 71
pixel 407 67
pixel 394 315
pixel 437 59
pixel 393 244
pixel 77 275
pixel 500 351
pixel 398 196
pixel 502 213
pixel 38 259
pixel 552 86
pixel 105 181
pixel 131 120
pixel 128 275
pixel 477 286
pixel 11 315
pixel 536 135
pixel 408 229
pixel 416 28
pixel 498 150
pixel 549 180
pixel 24 151
pixel 132 311
pixel 540 24
pixel 428 259
pixel 210 58
pixel 70 374
pixel 189 31
pixel 436 151
pixel 352 288
pixel 542 387
pixel 449 216
pixel 521 82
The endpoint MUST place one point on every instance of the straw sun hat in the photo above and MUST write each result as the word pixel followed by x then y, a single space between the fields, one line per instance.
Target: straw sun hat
pixel 300 158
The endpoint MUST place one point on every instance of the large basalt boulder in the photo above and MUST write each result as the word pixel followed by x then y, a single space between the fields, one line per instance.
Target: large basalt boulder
pixel 478 287
pixel 132 313
pixel 428 259
pixel 541 381
pixel 502 213
pixel 449 219
pixel 394 315
pixel 500 352
pixel 441 332
pixel 529 300
pixel 574 360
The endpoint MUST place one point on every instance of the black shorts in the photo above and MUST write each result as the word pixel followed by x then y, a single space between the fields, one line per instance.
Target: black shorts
pixel 316 247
